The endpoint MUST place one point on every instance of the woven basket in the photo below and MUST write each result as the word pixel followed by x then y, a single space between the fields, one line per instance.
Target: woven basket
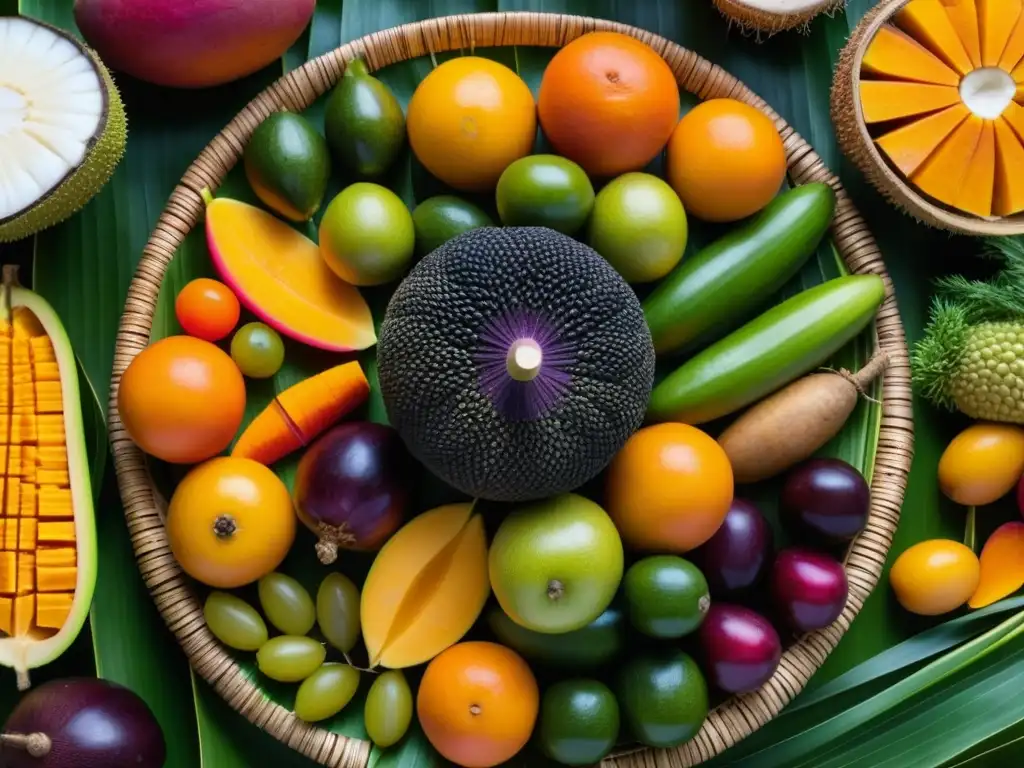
pixel 171 589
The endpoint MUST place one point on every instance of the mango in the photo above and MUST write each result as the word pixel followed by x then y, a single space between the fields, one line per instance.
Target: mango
pixel 426 587
pixel 191 43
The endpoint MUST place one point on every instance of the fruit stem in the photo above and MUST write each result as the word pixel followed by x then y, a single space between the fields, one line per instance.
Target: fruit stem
pixel 555 589
pixel 475 709
pixel 224 526
pixel 10 274
pixel 23 680
pixel 356 68
pixel 524 360
pixel 207 195
pixel 36 744
pixel 330 538
pixel 871 370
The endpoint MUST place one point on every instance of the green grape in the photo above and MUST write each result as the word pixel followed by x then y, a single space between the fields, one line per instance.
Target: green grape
pixel 288 658
pixel 234 622
pixel 388 709
pixel 257 350
pixel 326 692
pixel 286 604
pixel 337 611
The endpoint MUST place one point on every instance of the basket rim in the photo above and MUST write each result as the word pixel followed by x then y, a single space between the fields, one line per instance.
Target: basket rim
pixel 172 591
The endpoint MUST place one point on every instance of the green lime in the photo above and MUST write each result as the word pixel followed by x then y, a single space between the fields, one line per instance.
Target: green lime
pixel 579 722
pixel 366 235
pixel 639 226
pixel 589 647
pixel 663 696
pixel 666 596
pixel 544 191
pixel 438 219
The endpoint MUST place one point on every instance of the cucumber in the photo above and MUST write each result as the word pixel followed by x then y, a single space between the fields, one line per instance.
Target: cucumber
pixel 767 353
pixel 727 281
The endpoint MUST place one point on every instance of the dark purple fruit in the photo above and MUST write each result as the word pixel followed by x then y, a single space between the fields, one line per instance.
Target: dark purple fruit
pixel 809 588
pixel 736 558
pixel 741 648
pixel 351 487
pixel 826 497
pixel 84 723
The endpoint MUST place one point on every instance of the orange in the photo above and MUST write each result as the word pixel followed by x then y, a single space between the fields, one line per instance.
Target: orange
pixel 669 488
pixel 469 120
pixel 725 160
pixel 608 102
pixel 477 704
pixel 182 399
pixel 230 522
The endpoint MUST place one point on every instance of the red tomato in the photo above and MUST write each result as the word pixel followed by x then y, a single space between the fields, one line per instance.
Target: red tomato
pixel 207 309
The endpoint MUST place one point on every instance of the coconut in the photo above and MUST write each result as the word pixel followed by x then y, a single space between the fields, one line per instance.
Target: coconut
pixel 771 16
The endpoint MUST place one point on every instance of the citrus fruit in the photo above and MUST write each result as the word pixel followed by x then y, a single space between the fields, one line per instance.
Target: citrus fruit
pixel 230 522
pixel 469 119
pixel 181 400
pixel 544 191
pixel 591 647
pixel 477 704
pixel 257 350
pixel 438 219
pixel 663 696
pixel 667 596
pixel 639 226
pixel 555 564
pixel 669 488
pixel 725 160
pixel 579 722
pixel 608 102
pixel 935 576
pixel 206 309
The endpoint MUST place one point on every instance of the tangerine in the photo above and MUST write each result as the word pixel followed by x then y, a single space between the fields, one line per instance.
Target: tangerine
pixel 478 703
pixel 207 309
pixel 725 160
pixel 608 102
pixel 181 399
pixel 469 119
pixel 669 488
pixel 230 522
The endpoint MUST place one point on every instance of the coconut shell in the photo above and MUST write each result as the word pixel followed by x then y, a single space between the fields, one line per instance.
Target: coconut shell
pixel 759 20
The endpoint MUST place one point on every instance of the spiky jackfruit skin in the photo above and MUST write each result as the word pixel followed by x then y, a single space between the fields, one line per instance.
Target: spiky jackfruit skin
pixel 430 369
pixel 989 384
pixel 84 182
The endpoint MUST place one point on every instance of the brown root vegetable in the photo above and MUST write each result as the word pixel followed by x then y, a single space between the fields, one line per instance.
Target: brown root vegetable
pixel 791 424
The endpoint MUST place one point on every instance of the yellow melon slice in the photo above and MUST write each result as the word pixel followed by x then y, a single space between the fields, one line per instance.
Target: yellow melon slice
pixel 1014 50
pixel 942 174
pixel 975 195
pixel 893 53
pixel 1008 197
pixel 996 20
pixel 964 15
pixel 1014 116
pixel 928 23
pixel 911 144
pixel 888 100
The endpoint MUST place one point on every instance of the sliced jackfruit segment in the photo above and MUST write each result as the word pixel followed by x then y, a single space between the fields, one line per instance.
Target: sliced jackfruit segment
pixel 964 15
pixel 910 145
pixel 1008 196
pixel 27 573
pixel 996 20
pixel 53 609
pixel 55 557
pixel 883 100
pixel 895 54
pixel 56 532
pixel 943 172
pixel 928 23
pixel 56 578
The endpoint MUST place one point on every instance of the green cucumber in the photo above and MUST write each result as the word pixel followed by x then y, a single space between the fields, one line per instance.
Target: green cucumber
pixel 727 281
pixel 769 352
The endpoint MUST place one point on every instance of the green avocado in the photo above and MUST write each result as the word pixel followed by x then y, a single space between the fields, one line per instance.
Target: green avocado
pixel 663 696
pixel 288 164
pixel 364 122
pixel 579 722
pixel 438 219
pixel 591 647
pixel 666 596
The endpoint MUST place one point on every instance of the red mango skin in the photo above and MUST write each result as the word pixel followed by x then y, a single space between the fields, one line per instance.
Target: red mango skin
pixel 191 43
pixel 741 648
pixel 809 588
pixel 737 557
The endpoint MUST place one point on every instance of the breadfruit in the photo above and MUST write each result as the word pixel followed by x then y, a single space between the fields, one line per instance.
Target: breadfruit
pixel 514 362
pixel 62 126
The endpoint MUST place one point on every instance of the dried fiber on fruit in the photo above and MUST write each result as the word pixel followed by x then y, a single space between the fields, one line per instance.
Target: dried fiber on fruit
pixel 515 362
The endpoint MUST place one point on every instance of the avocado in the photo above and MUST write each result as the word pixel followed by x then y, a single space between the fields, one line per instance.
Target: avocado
pixel 663 696
pixel 440 218
pixel 364 122
pixel 288 164
pixel 579 722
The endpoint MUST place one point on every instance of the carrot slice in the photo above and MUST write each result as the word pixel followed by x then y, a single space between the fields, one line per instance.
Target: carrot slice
pixel 1002 565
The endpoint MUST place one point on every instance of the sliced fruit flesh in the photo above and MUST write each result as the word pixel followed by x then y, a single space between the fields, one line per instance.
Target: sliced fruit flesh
pixel 996 20
pixel 943 172
pixel 1008 197
pixel 928 23
pixel 883 100
pixel 53 105
pixel 964 15
pixel 910 145
pixel 1014 50
pixel 895 54
pixel 975 194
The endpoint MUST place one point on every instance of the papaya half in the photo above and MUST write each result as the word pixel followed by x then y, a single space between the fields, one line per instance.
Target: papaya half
pixel 47 524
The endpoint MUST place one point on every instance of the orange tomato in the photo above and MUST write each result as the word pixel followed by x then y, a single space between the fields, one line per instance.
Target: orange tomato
pixel 230 522
pixel 982 464
pixel 725 160
pixel 935 576
pixel 669 488
pixel 477 704
pixel 181 399
pixel 608 102
pixel 206 309
pixel 469 120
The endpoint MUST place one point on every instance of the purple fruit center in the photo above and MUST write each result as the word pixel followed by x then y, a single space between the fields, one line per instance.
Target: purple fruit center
pixel 523 365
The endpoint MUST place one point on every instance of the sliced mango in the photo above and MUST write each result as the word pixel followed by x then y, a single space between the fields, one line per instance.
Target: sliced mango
pixel 426 587
pixel 996 22
pixel 928 23
pixel 943 172
pixel 892 53
pixel 1008 197
pixel 910 145
pixel 883 100
pixel 1014 50
pixel 964 15
pixel 1002 565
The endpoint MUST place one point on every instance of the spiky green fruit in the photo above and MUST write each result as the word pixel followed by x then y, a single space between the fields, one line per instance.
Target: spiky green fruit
pixel 62 126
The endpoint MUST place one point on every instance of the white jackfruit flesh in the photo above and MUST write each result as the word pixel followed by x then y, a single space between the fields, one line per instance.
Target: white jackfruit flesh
pixel 62 126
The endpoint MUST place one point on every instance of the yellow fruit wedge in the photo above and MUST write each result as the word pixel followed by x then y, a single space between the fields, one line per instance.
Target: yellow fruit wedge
pixel 1018 73
pixel 1008 197
pixel 975 195
pixel 1014 116
pixel 895 54
pixel 1014 50
pixel 964 15
pixel 927 22
pixel 883 100
pixel 910 145
pixel 942 174
pixel 996 21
